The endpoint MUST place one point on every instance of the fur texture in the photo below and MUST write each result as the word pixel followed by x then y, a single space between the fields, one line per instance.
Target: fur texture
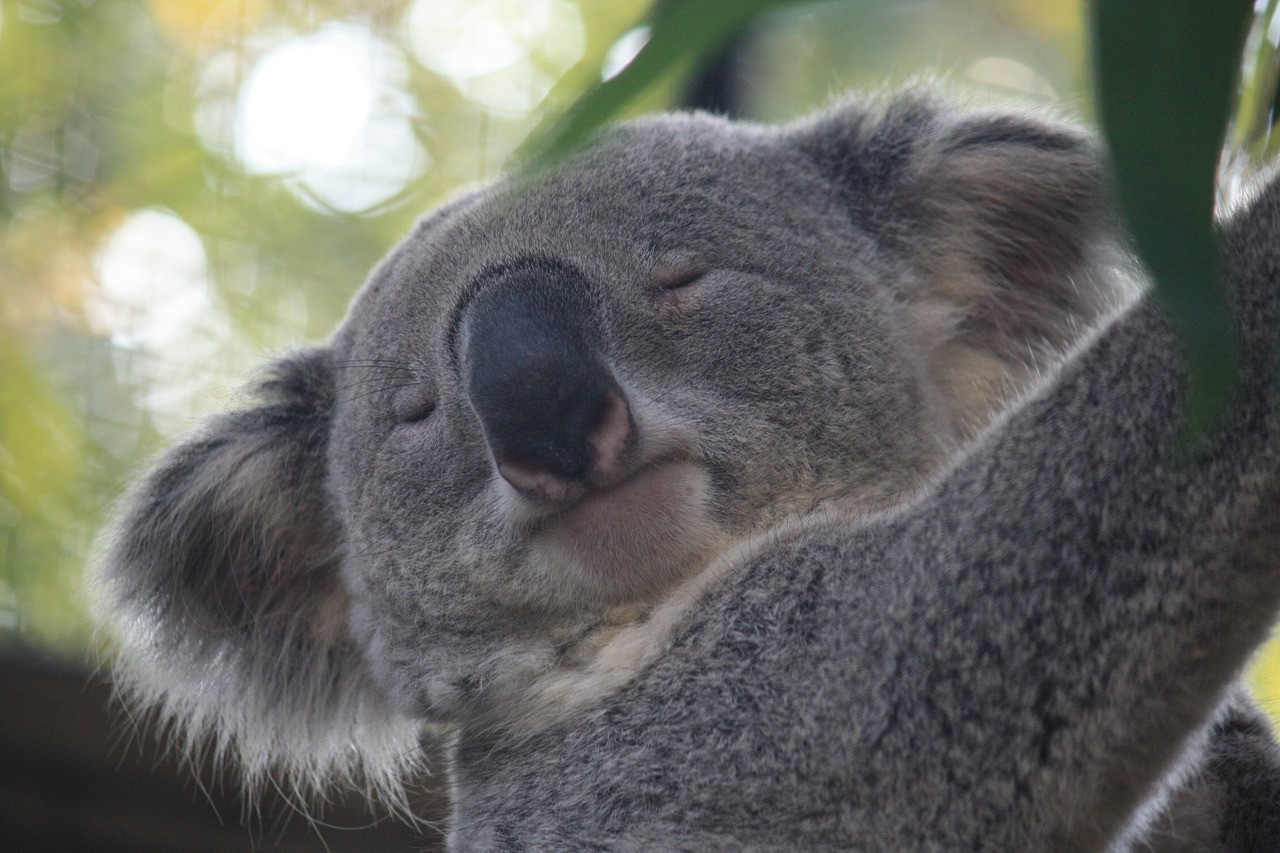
pixel 720 490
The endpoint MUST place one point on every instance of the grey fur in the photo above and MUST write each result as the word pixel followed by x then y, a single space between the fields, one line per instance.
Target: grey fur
pixel 845 601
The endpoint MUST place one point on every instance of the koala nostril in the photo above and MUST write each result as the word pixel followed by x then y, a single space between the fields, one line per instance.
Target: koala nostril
pixel 608 439
pixel 609 436
pixel 534 478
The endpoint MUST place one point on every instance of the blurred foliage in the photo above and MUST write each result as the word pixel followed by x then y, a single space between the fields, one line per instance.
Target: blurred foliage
pixel 680 35
pixel 169 218
pixel 101 108
pixel 800 53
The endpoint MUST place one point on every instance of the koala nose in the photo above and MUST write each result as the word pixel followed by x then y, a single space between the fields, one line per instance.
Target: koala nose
pixel 553 416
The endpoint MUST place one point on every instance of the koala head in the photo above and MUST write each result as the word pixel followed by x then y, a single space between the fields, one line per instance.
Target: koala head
pixel 563 400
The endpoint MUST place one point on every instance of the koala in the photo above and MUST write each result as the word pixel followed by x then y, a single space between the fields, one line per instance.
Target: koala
pixel 731 487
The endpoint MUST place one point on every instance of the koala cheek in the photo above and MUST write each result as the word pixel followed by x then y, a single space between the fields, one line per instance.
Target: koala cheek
pixel 378 651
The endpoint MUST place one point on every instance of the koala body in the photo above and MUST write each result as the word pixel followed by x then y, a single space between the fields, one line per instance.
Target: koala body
pixel 680 483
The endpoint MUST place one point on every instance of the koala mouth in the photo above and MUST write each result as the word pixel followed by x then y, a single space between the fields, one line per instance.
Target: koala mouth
pixel 645 498
pixel 632 538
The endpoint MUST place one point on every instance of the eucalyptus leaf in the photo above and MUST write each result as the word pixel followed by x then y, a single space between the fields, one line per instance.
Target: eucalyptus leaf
pixel 1165 74
pixel 682 33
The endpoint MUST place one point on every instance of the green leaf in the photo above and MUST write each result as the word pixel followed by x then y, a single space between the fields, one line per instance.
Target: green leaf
pixel 682 32
pixel 1165 74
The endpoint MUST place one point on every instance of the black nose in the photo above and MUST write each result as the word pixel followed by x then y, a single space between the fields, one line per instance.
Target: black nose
pixel 530 350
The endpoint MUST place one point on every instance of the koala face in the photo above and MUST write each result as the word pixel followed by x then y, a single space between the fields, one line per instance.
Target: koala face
pixel 560 400
pixel 567 401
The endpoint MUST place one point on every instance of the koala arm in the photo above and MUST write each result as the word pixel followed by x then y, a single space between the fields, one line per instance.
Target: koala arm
pixel 1224 799
pixel 1093 578
pixel 1081 598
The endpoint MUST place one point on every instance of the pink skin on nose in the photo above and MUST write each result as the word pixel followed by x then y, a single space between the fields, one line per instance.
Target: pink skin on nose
pixel 609 440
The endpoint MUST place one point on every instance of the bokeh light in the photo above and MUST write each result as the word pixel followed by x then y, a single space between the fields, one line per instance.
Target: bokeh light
pixel 622 51
pixel 190 187
pixel 326 112
pixel 154 300
pixel 504 55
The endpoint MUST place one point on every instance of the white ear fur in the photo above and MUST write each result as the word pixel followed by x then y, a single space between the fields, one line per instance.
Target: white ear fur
pixel 220 582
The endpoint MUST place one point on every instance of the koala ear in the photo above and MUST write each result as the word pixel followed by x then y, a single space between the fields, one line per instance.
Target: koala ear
pixel 220 579
pixel 1004 224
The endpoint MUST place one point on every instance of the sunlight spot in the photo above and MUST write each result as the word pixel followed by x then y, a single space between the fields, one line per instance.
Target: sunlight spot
pixel 216 100
pixel 504 55
pixel 154 301
pixel 471 38
pixel 153 281
pixel 326 112
pixel 622 51
pixel 518 89
pixel 305 103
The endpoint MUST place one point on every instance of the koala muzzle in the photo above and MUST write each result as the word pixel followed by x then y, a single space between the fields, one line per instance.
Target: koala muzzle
pixel 555 420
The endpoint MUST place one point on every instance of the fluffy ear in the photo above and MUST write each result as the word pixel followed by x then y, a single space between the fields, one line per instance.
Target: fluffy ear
pixel 1004 222
pixel 220 579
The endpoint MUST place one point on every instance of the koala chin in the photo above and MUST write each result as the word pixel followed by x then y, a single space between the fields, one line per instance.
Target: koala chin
pixel 740 487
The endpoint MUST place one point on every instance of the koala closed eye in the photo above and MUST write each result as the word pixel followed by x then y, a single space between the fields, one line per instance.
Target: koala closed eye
pixel 673 285
pixel 413 403
pixel 678 280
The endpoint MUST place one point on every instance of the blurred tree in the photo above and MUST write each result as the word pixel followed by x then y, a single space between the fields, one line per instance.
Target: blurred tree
pixel 189 185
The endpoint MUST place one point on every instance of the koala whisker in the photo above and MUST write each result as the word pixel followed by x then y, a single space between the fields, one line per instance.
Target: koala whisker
pixel 380 364
pixel 382 389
